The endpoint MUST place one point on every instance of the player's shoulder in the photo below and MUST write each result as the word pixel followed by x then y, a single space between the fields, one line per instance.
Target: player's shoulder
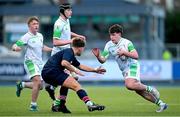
pixel 109 43
pixel 59 22
pixel 125 40
pixel 39 34
pixel 68 50
pixel 26 35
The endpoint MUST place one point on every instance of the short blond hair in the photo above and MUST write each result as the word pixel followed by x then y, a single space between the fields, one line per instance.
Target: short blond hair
pixel 30 19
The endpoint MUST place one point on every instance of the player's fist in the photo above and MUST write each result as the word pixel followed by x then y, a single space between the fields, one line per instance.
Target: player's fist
pixel 96 51
pixel 121 52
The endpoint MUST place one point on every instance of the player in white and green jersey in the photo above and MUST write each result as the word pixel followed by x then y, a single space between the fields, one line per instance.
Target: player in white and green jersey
pixel 33 55
pixel 127 58
pixel 33 41
pixel 62 31
pixel 62 35
pixel 129 66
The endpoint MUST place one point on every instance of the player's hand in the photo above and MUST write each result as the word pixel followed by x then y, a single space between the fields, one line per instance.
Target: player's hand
pixel 96 51
pixel 100 70
pixel 16 48
pixel 121 52
pixel 82 37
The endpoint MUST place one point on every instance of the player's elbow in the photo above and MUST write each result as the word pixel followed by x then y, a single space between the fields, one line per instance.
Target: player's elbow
pixel 102 60
pixel 136 57
pixel 55 42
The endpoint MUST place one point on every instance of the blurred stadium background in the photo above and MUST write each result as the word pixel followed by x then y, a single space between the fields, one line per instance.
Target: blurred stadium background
pixel 153 26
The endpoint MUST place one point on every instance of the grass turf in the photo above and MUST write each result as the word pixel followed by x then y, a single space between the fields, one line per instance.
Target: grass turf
pixel 118 101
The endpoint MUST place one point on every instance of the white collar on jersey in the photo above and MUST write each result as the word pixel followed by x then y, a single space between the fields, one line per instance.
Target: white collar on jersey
pixel 32 33
pixel 60 17
pixel 120 40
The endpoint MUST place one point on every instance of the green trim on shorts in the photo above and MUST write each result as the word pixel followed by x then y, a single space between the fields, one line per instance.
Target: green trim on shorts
pixel 133 70
pixel 30 66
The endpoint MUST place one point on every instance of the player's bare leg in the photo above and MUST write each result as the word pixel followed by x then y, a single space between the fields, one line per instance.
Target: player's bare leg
pixel 21 85
pixel 147 96
pixel 71 83
pixel 147 92
pixel 35 92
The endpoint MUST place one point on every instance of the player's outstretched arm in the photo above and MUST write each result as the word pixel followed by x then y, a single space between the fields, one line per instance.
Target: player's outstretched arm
pixel 77 35
pixel 100 58
pixel 98 70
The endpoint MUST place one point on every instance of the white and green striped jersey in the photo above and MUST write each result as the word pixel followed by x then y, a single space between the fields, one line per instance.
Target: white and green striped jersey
pixel 123 61
pixel 61 31
pixel 34 45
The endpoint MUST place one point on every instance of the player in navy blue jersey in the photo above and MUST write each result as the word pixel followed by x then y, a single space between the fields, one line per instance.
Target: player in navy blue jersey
pixel 53 73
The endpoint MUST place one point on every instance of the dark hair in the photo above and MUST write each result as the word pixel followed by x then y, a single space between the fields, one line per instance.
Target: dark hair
pixel 78 42
pixel 116 28
pixel 64 6
pixel 30 19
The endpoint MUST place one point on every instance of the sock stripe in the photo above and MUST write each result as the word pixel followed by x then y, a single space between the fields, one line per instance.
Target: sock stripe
pixel 158 102
pixel 62 97
pixel 149 88
pixel 85 99
pixel 57 102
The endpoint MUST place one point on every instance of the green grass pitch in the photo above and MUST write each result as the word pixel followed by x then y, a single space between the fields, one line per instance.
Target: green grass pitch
pixel 118 101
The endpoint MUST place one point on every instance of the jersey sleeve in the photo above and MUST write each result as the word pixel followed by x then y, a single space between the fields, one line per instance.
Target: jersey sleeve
pixel 69 56
pixel 130 47
pixel 105 52
pixel 22 42
pixel 75 63
pixel 57 30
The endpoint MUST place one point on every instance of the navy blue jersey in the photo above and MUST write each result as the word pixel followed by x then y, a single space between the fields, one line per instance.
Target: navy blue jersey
pixel 55 60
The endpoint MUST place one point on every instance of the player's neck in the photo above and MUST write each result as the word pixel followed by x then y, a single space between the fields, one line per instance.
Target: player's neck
pixel 63 17
pixel 118 40
pixel 33 32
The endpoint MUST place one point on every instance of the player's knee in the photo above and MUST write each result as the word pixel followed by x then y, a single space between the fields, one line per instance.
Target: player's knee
pixel 38 84
pixel 76 86
pixel 72 84
pixel 129 86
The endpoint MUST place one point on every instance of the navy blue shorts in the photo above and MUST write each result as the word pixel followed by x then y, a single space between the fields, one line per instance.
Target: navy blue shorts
pixel 54 76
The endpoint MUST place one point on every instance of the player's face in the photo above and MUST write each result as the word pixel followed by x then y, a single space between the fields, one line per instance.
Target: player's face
pixel 115 37
pixel 68 13
pixel 34 26
pixel 80 50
